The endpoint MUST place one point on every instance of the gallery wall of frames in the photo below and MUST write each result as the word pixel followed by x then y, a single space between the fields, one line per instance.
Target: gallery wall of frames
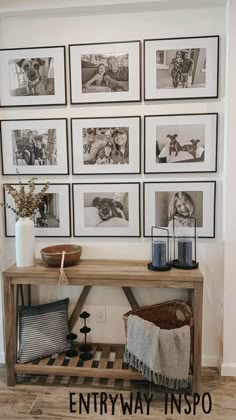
pixel 114 72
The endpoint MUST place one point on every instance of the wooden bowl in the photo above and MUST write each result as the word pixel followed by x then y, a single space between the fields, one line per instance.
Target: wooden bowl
pixel 51 255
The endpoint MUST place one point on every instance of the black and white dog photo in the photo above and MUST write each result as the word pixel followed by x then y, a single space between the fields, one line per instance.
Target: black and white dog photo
pixel 180 143
pixel 106 209
pixel 32 76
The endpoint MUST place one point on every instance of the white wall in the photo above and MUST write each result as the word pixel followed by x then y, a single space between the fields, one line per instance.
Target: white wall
pixel 40 31
pixel 228 366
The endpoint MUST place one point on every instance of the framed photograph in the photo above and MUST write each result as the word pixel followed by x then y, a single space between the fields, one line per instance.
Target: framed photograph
pixel 105 72
pixel 180 143
pixel 182 200
pixel 33 76
pixel 181 68
pixel 106 145
pixel 107 210
pixel 34 147
pixel 51 219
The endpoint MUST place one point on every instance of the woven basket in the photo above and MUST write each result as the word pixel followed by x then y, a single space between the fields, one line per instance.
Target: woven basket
pixel 166 315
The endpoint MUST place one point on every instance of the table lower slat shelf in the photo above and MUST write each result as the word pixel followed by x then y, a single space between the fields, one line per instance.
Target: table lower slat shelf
pixel 103 365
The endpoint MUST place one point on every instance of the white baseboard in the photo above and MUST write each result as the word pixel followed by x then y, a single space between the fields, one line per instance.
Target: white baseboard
pixel 228 369
pixel 2 357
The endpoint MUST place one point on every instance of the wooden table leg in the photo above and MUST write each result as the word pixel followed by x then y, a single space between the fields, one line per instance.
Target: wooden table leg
pixel 197 339
pixel 130 296
pixel 10 330
pixel 79 305
pixel 29 294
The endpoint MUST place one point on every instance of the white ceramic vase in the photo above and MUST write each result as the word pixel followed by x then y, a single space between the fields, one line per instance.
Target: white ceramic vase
pixel 25 242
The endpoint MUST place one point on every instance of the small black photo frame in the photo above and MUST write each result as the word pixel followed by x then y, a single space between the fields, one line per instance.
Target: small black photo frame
pixel 106 146
pixel 106 209
pixel 51 219
pixel 105 72
pixel 180 143
pixel 182 200
pixel 34 76
pixel 35 146
pixel 181 68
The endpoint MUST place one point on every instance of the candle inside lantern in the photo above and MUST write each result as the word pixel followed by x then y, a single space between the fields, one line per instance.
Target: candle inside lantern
pixel 185 252
pixel 158 253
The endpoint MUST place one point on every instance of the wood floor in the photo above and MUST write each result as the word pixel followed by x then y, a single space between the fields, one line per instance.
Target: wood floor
pixel 48 398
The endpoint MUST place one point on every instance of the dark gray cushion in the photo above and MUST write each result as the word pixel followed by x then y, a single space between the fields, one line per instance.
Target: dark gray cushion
pixel 43 330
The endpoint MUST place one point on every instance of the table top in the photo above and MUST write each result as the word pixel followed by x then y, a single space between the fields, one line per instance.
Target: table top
pixel 124 273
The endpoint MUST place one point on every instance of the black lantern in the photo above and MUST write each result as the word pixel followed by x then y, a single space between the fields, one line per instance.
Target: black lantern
pixel 185 244
pixel 160 250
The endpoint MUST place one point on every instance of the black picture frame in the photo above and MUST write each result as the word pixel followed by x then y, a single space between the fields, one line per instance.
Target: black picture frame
pixel 37 173
pixel 44 236
pixel 213 182
pixel 139 99
pixel 63 102
pixel 107 183
pixel 138 171
pixel 213 114
pixel 170 98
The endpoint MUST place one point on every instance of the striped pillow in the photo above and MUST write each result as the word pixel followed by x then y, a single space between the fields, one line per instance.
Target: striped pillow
pixel 43 330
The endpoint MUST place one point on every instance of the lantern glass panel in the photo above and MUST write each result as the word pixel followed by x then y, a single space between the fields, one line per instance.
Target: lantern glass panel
pixel 185 244
pixel 160 247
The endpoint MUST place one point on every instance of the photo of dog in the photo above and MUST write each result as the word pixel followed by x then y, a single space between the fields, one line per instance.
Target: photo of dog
pixel 191 148
pixel 106 209
pixel 180 143
pixel 109 208
pixel 174 144
pixel 32 76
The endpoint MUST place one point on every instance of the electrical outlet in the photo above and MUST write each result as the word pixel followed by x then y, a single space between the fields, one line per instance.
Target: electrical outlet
pixel 100 315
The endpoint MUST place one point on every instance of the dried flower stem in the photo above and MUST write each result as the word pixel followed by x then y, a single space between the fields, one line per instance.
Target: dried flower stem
pixel 26 202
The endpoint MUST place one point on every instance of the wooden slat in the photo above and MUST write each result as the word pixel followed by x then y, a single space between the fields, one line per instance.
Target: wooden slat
pixel 104 356
pixel 88 363
pixel 119 358
pixel 59 360
pixel 130 296
pixel 78 307
pixel 77 371
pixel 44 361
pixel 73 361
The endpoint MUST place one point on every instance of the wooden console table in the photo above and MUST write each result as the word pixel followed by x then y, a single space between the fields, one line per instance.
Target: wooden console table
pixel 88 273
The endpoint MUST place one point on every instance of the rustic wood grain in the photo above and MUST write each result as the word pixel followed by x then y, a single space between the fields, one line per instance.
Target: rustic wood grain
pixel 89 273
pixel 130 297
pixel 197 335
pixel 130 272
pixel 10 329
pixel 78 371
pixel 119 358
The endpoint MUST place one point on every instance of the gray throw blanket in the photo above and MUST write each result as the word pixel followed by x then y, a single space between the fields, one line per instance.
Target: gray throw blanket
pixel 162 356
